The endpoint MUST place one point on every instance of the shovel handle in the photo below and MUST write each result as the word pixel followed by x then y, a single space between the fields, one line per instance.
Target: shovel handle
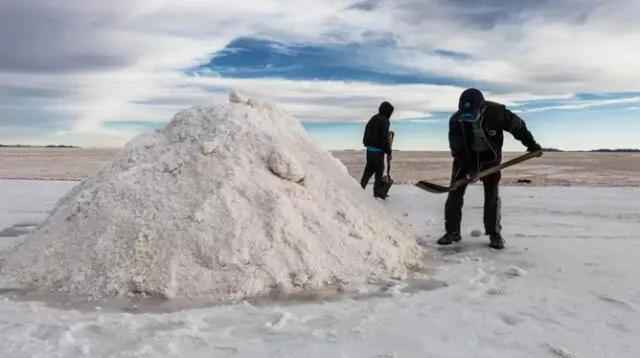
pixel 499 167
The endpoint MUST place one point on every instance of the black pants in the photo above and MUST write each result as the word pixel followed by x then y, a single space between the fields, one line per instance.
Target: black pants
pixel 492 203
pixel 374 166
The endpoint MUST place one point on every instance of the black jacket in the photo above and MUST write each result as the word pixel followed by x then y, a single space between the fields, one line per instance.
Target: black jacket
pixel 376 133
pixel 495 119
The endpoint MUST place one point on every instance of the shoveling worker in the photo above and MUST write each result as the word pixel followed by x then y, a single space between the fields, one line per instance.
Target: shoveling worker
pixel 476 136
pixel 376 142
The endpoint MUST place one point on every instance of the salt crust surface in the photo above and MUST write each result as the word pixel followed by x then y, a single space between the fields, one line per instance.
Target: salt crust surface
pixel 227 201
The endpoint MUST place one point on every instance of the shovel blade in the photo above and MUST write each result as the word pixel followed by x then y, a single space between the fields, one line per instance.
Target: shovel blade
pixel 387 182
pixel 432 187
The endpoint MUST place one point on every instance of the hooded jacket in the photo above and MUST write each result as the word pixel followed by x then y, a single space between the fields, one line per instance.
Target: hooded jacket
pixel 376 133
pixel 494 118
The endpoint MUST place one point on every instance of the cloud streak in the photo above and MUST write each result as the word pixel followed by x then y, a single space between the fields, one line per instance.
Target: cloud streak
pixel 585 104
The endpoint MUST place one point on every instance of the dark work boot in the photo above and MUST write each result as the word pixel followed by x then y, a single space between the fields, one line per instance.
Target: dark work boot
pixel 496 241
pixel 449 238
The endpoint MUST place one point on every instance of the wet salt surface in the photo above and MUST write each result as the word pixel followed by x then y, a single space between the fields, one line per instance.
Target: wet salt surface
pixel 161 305
pixel 17 229
pixel 150 304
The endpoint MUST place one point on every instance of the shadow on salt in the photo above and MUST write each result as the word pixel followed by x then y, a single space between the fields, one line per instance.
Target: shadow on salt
pixel 17 230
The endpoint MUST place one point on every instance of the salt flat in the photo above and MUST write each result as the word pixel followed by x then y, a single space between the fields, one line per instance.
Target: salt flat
pixel 554 168
pixel 564 287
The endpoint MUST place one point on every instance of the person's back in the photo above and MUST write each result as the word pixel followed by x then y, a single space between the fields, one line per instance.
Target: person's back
pixel 376 142
pixel 376 132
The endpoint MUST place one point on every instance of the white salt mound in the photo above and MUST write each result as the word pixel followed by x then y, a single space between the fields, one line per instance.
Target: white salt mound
pixel 226 202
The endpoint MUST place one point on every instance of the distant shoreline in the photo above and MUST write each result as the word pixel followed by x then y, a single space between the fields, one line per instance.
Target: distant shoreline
pixel 37 146
pixel 600 150
pixel 604 169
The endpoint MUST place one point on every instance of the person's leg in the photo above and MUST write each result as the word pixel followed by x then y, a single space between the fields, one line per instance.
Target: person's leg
pixel 492 204
pixel 369 169
pixel 453 208
pixel 378 165
pixel 492 210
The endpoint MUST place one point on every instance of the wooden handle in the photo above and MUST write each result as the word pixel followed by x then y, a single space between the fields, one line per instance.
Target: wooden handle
pixel 392 135
pixel 497 168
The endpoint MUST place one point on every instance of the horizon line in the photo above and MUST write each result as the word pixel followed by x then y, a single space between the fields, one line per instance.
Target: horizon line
pixel 547 150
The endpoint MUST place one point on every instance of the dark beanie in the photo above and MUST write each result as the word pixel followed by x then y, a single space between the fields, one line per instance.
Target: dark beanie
pixel 386 109
pixel 471 100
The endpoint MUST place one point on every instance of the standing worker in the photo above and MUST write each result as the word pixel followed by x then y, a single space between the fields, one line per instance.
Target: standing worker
pixel 475 139
pixel 376 142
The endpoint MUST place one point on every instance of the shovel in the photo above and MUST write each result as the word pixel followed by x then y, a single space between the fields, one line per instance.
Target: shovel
pixel 387 182
pixel 439 189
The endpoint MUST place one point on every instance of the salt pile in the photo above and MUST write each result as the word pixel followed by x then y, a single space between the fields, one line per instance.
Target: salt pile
pixel 227 201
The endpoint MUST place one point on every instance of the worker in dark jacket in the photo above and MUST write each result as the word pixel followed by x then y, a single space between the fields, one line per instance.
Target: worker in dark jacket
pixel 376 142
pixel 476 136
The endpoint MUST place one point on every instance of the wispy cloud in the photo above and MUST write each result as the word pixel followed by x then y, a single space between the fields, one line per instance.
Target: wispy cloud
pixel 579 104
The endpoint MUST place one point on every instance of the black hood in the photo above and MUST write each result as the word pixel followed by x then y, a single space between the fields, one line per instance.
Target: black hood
pixel 471 100
pixel 386 109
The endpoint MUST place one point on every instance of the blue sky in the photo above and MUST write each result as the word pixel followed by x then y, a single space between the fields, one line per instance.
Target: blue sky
pixel 97 74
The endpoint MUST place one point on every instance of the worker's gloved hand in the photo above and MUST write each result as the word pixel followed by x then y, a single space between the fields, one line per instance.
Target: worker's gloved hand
pixel 472 177
pixel 535 147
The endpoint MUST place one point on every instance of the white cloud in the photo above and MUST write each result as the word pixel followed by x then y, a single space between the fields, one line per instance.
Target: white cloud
pixel 107 57
pixel 536 50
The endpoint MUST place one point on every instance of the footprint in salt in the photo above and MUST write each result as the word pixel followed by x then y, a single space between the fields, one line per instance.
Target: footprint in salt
pixel 615 301
pixel 515 271
pixel 562 352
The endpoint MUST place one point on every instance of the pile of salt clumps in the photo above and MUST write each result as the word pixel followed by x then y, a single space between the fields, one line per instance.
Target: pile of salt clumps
pixel 226 202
